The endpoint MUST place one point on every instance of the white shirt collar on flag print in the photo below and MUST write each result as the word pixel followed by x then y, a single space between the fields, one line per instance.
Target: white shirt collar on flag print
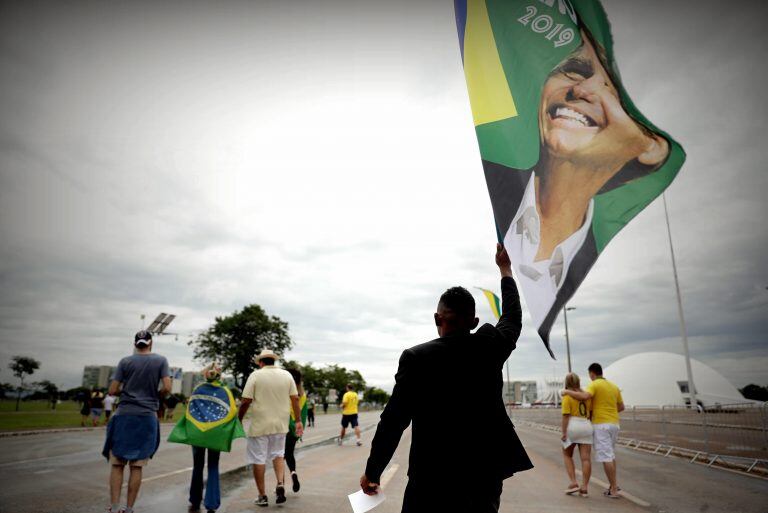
pixel 540 280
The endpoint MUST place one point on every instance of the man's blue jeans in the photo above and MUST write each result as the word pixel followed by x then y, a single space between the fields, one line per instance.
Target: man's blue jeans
pixel 212 489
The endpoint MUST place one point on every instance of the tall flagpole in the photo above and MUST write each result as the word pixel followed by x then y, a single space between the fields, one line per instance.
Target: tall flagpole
pixel 683 331
pixel 567 339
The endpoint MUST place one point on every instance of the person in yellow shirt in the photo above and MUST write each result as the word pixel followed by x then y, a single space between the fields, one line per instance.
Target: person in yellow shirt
pixel 349 414
pixel 607 403
pixel 577 431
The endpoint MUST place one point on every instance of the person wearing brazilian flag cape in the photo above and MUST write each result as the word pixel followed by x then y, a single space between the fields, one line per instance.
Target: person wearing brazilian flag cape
pixel 210 423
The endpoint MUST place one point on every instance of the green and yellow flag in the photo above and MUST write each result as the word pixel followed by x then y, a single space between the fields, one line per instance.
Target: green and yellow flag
pixel 493 302
pixel 210 420
pixel 568 158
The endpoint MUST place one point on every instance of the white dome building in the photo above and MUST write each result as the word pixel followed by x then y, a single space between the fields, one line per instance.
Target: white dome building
pixel 656 379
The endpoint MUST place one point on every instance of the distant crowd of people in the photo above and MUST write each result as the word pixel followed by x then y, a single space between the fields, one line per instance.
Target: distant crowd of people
pixel 96 403
pixel 274 398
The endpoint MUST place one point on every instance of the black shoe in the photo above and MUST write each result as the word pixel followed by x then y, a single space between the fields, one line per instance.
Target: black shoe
pixel 210 511
pixel 262 501
pixel 193 509
pixel 280 492
pixel 296 484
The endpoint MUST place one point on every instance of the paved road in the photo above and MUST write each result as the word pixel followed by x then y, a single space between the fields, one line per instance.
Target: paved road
pixel 329 473
pixel 64 472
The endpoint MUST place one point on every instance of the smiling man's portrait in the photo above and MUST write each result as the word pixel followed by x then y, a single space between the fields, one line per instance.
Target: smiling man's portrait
pixel 589 145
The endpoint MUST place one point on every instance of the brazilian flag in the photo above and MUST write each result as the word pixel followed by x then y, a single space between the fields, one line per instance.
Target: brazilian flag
pixel 211 419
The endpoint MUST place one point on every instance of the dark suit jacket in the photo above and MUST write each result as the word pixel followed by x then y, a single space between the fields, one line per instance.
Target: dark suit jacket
pixel 506 186
pixel 449 389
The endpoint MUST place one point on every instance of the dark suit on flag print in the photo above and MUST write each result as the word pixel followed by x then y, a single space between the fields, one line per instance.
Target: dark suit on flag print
pixel 457 463
pixel 506 187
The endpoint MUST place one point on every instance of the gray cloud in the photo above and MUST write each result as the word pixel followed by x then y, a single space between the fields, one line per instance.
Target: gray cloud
pixel 318 158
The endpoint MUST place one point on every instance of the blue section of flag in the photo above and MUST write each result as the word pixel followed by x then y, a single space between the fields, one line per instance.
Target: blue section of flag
pixel 209 404
pixel 460 8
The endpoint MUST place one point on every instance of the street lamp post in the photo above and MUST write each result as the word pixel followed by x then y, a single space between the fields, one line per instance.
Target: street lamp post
pixel 567 340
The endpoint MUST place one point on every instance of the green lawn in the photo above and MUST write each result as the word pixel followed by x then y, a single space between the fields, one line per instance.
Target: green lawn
pixel 38 415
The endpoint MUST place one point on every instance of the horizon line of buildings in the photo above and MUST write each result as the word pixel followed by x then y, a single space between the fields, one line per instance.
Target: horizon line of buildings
pixel 181 382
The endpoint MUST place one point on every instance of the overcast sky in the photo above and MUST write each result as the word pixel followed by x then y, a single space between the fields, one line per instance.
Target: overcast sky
pixel 319 159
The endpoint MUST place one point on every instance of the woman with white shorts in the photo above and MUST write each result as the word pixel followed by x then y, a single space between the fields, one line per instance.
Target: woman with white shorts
pixel 577 431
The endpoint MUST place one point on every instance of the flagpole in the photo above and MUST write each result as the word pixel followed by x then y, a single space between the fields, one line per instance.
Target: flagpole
pixel 683 330
pixel 567 339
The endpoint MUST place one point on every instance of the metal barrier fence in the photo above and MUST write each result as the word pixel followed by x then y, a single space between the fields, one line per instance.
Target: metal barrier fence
pixel 732 429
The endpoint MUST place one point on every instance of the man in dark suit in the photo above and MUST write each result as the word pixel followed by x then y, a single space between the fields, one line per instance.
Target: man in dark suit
pixel 457 465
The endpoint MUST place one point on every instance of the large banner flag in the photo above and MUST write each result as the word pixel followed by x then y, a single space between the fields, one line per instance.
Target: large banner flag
pixel 210 420
pixel 568 158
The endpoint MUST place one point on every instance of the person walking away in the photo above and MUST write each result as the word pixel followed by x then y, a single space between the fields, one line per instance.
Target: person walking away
pixel 349 414
pixel 97 405
pixel 441 479
pixel 311 413
pixel 325 406
pixel 85 410
pixel 210 424
pixel 270 393
pixel 577 432
pixel 109 405
pixel 291 438
pixel 133 433
pixel 170 406
pixel 607 403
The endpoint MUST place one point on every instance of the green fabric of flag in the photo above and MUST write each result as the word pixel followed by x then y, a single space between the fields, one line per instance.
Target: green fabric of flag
pixel 210 420
pixel 568 158
pixel 303 410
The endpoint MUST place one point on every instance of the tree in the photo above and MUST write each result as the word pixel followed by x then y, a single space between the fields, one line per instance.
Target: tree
pixel 755 392
pixel 4 389
pixel 50 390
pixel 234 340
pixel 375 395
pixel 77 393
pixel 21 366
pixel 319 381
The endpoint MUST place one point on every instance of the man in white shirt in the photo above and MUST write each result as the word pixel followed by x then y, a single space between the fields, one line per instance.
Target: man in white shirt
pixel 270 392
pixel 109 404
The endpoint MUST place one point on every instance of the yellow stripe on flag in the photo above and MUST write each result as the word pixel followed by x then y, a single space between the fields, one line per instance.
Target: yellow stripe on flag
pixel 487 84
pixel 493 300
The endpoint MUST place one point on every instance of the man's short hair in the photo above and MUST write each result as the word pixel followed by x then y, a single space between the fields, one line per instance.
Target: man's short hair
pixel 349 386
pixel 268 361
pixel 459 300
pixel 596 368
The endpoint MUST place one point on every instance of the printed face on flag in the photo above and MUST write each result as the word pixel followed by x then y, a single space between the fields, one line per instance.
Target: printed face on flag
pixel 582 120
pixel 568 159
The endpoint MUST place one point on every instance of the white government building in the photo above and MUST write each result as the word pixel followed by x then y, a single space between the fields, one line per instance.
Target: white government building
pixel 657 379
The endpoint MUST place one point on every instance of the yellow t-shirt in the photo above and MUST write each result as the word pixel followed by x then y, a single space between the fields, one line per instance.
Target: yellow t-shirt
pixel 605 400
pixel 349 401
pixel 576 408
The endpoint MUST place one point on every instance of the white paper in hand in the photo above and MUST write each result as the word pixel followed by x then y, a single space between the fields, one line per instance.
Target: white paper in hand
pixel 361 502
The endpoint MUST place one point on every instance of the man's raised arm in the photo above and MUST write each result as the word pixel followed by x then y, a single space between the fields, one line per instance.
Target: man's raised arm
pixel 511 321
